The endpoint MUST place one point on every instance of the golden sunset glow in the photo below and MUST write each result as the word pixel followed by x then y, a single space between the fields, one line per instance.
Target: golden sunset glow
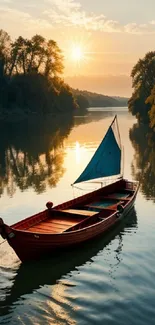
pixel 77 152
pixel 77 53
pixel 100 42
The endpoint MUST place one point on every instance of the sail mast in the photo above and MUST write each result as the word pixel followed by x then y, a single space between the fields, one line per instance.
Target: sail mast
pixel 122 149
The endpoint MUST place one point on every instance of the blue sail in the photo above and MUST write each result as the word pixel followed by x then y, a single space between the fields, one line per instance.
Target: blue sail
pixel 106 160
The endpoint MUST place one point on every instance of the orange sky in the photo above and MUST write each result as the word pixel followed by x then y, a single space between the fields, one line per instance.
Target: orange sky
pixel 109 36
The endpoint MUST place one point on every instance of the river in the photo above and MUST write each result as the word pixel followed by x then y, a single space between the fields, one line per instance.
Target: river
pixel 109 281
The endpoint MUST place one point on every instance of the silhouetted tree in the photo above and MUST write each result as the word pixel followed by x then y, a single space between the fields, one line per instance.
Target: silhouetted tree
pixel 143 80
pixel 53 62
pixel 5 46
pixel 82 101
pixel 32 68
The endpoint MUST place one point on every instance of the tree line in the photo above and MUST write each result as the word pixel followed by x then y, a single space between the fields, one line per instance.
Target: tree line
pixel 90 99
pixel 142 101
pixel 30 78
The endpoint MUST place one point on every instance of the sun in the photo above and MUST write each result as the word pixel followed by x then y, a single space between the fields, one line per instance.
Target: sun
pixel 77 53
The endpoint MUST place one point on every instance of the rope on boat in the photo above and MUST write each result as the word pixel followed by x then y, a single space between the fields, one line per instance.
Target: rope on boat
pixel 3 242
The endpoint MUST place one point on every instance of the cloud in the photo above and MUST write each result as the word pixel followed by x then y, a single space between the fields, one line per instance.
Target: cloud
pixel 65 6
pixel 13 19
pixel 51 14
pixel 70 13
pixel 134 28
pixel 6 1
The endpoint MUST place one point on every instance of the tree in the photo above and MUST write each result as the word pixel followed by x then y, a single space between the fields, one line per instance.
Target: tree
pixel 32 68
pixel 53 64
pixel 82 102
pixel 64 99
pixel 27 55
pixel 19 56
pixel 143 80
pixel 36 55
pixel 5 45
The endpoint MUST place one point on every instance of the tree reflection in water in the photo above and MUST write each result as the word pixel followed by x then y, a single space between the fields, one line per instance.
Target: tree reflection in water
pixel 143 167
pixel 32 154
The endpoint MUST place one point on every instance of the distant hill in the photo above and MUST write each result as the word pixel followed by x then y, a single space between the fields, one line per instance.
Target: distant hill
pixel 111 85
pixel 121 99
pixel 99 100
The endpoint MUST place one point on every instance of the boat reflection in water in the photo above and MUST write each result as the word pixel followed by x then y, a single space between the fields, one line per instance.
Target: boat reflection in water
pixel 48 272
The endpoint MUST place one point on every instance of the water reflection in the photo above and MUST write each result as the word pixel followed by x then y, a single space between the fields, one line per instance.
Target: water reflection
pixel 27 278
pixel 143 166
pixel 32 154
pixel 100 113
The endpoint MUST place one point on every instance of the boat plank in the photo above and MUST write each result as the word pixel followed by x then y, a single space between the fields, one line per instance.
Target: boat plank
pixel 81 212
pixel 43 231
pixel 62 222
pixel 46 227
pixel 50 225
pixel 60 225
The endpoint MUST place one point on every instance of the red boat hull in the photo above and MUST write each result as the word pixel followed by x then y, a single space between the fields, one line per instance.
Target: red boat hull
pixel 30 245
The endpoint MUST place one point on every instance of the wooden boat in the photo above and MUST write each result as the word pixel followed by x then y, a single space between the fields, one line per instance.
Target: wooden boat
pixel 81 219
pixel 49 271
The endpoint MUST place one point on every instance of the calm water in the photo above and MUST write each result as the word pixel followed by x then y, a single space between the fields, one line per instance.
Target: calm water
pixel 112 280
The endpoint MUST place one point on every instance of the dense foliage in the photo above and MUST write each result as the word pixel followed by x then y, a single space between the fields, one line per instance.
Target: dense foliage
pixel 31 83
pixel 141 104
pixel 30 80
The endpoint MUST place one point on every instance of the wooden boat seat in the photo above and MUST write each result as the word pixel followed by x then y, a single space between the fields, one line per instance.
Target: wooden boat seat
pixel 53 226
pixel 80 212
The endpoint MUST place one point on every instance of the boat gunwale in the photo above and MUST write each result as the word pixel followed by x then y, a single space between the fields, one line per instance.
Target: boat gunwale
pixel 68 203
pixel 65 233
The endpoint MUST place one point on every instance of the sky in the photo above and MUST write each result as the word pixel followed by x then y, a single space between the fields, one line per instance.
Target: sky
pixel 99 39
